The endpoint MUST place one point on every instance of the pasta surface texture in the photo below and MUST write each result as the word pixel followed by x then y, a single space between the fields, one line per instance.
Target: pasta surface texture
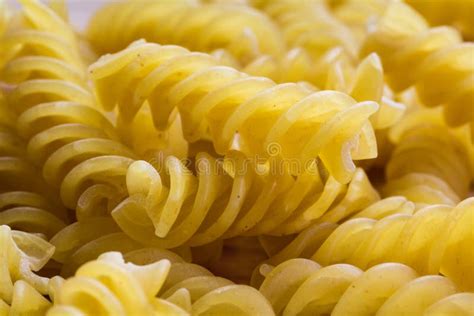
pixel 237 157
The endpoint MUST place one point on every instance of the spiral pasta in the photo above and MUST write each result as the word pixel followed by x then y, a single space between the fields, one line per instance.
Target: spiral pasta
pixel 198 210
pixel 443 12
pixel 181 288
pixel 22 254
pixel 240 31
pixel 70 138
pixel 306 243
pixel 418 169
pixel 434 60
pixel 435 239
pixel 301 286
pixel 221 104
pixel 26 203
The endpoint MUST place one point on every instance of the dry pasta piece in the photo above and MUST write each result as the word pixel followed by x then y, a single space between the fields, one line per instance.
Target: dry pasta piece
pixel 153 287
pixel 224 106
pixel 26 202
pixel 173 206
pixel 22 254
pixel 240 33
pixel 301 286
pixel 435 239
pixel 434 60
pixel 72 140
pixel 419 170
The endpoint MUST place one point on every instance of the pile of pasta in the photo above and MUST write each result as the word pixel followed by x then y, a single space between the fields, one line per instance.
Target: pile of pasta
pixel 259 157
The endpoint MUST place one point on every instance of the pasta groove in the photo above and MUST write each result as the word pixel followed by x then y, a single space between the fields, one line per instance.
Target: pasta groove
pixel 219 104
pixel 434 240
pixel 22 254
pixel 200 209
pixel 26 202
pixel 417 168
pixel 434 60
pixel 182 289
pixel 301 286
pixel 71 139
pixel 240 31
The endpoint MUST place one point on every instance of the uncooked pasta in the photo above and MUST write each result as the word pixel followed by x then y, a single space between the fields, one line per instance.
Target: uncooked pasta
pixel 236 157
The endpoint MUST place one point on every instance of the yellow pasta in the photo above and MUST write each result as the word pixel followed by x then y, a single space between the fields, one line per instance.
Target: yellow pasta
pixel 219 104
pixel 237 157
pixel 459 14
pixel 70 138
pixel 22 254
pixel 110 286
pixel 240 31
pixel 436 239
pixel 303 287
pixel 435 60
pixel 199 210
pixel 26 201
pixel 418 169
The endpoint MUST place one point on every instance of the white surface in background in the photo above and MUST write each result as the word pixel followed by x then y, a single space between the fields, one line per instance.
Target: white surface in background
pixel 79 10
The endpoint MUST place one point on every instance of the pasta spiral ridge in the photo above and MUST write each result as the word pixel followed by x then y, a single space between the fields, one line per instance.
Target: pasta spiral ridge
pixel 240 31
pixel 307 242
pixel 22 254
pixel 418 169
pixel 184 208
pixel 73 142
pixel 220 104
pixel 173 288
pixel 301 286
pixel 434 60
pixel 435 239
pixel 26 201
pixel 442 12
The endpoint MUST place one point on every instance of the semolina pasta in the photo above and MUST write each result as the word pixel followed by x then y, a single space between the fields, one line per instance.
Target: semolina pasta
pixel 435 239
pixel 170 77
pixel 301 286
pixel 435 60
pixel 236 157
pixel 239 32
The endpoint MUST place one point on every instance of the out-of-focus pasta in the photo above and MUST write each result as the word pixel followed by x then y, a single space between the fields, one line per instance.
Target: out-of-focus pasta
pixel 458 13
pixel 240 32
pixel 435 60
pixel 419 170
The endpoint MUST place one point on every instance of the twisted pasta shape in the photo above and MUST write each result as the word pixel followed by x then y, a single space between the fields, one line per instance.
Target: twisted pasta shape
pixel 222 105
pixel 238 31
pixel 76 145
pixel 418 169
pixel 26 301
pixel 181 288
pixel 310 25
pixel 306 243
pixel 109 286
pixel 434 60
pixel 436 239
pixel 21 255
pixel 200 209
pixel 301 286
pixel 200 292
pixel 442 12
pixel 26 201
